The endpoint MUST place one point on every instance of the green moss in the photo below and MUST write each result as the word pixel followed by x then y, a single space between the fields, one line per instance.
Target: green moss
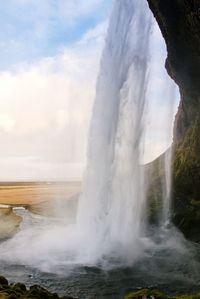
pixel 186 178
pixel 146 292
pixel 187 163
pixel 196 296
pixel 158 295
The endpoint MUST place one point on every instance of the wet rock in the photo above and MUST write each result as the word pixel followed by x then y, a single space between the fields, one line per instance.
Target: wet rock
pixel 20 286
pixel 12 296
pixel 3 280
pixel 19 290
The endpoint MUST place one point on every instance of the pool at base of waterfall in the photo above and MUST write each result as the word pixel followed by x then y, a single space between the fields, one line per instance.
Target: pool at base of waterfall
pixel 167 268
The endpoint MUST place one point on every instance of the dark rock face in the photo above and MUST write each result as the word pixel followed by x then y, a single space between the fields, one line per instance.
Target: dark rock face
pixel 179 21
pixel 187 181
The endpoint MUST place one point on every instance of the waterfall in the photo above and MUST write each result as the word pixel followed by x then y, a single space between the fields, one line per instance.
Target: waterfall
pixel 112 214
pixel 111 211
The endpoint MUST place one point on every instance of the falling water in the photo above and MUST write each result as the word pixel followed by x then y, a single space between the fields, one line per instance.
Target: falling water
pixel 167 186
pixel 112 208
pixel 113 201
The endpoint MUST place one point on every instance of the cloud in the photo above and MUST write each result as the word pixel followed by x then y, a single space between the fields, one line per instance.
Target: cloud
pixel 162 100
pixel 46 106
pixel 72 11
pixel 7 123
pixel 66 11
pixel 32 29
pixel 34 169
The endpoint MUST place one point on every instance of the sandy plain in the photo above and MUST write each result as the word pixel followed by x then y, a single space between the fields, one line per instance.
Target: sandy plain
pixel 51 199
pixel 28 193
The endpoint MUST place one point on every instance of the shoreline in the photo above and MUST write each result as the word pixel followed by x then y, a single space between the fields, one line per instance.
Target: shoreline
pixel 9 223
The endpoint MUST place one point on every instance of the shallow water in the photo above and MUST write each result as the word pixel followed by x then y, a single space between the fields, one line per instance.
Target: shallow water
pixel 169 263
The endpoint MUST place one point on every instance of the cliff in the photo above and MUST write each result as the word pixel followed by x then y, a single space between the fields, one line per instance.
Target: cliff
pixel 179 21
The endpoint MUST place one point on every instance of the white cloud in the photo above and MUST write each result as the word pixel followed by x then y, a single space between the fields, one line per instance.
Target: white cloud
pixel 67 11
pixel 46 107
pixel 71 10
pixel 33 168
pixel 7 123
pixel 31 29
pixel 162 101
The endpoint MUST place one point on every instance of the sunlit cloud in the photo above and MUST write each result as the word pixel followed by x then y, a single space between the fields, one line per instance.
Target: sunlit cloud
pixel 46 106
pixel 7 123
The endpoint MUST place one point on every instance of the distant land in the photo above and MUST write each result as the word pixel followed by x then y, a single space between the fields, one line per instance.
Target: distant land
pixel 28 193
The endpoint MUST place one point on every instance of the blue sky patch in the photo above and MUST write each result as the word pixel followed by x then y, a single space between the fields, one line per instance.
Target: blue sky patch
pixel 33 29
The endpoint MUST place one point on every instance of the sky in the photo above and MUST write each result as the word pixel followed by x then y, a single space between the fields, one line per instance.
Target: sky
pixel 49 60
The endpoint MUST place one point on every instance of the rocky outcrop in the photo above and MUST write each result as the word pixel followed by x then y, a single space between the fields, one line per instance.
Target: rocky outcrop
pixel 19 290
pixel 179 21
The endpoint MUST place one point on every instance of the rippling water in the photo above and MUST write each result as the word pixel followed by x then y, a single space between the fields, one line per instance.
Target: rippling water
pixel 172 267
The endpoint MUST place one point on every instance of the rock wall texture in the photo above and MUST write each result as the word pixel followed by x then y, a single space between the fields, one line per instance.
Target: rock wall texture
pixel 179 21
